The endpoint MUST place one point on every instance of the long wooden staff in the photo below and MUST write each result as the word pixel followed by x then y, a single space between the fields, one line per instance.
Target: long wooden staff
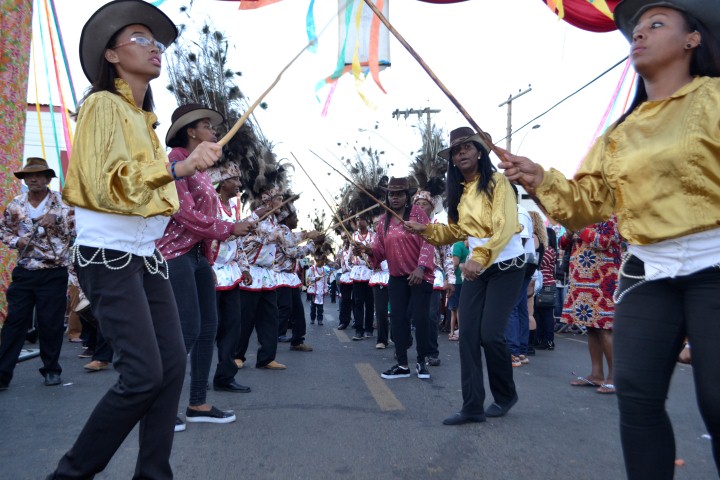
pixel 323 197
pixel 345 220
pixel 291 199
pixel 388 209
pixel 396 34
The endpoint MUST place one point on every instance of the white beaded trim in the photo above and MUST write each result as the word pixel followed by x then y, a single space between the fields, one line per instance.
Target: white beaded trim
pixel 159 261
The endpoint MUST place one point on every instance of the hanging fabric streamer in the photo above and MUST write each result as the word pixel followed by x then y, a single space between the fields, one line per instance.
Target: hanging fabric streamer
pixel 63 108
pixel 37 101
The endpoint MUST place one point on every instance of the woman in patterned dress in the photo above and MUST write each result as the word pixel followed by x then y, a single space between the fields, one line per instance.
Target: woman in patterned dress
pixel 594 267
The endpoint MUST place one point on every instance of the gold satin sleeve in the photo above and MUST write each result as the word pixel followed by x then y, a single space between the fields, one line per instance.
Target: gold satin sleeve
pixel 582 201
pixel 116 165
pixel 438 234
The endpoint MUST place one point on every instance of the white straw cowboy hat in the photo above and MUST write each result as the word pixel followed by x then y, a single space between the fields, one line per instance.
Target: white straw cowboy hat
pixel 113 17
pixel 627 13
pixel 34 165
pixel 463 135
pixel 186 114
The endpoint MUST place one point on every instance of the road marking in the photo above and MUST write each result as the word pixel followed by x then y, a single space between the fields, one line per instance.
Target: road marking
pixel 576 340
pixel 341 335
pixel 384 397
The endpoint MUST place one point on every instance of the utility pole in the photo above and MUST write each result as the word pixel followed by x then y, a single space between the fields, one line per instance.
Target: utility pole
pixel 406 113
pixel 508 102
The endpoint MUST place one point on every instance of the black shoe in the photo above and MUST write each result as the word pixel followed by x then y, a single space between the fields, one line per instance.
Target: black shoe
pixel 86 353
pixel 312 322
pixel 284 339
pixel 179 425
pixel 530 351
pixel 214 415
pixel 396 372
pixel 231 387
pixel 463 418
pixel 433 362
pixel 52 379
pixel 542 345
pixel 320 322
pixel 342 327
pixel 422 371
pixel 496 410
pixel 550 345
pixel 3 386
pixel 358 337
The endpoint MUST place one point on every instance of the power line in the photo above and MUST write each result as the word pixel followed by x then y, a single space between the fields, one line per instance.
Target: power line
pixel 566 98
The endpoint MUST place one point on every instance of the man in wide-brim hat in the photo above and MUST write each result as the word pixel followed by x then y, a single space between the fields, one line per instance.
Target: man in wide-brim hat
pixel 35 165
pixel 40 227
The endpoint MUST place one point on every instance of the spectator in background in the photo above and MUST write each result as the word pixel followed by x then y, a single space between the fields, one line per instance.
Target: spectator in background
pixel 589 303
pixel 460 253
pixel 545 315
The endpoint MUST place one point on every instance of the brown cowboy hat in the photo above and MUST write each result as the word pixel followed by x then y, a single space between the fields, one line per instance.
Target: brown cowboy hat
pixel 186 114
pixel 113 17
pixel 462 135
pixel 627 13
pixel 400 184
pixel 34 165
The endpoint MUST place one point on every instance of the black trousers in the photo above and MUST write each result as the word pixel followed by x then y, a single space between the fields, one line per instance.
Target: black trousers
pixel 651 322
pixel 381 298
pixel 44 291
pixel 434 323
pixel 193 283
pixel 290 300
pixel 363 307
pixel 316 311
pixel 259 311
pixel 228 334
pixel 486 305
pixel 346 303
pixel 403 297
pixel 138 316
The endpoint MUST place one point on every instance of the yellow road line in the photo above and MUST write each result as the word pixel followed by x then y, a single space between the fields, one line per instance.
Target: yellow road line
pixel 385 398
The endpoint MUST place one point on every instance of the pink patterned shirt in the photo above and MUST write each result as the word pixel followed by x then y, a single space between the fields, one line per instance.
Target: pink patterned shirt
pixel 196 221
pixel 404 251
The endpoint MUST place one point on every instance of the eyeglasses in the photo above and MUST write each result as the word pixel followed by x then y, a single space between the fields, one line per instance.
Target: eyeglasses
pixel 143 42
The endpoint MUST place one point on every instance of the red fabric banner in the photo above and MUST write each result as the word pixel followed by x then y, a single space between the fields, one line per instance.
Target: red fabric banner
pixel 583 14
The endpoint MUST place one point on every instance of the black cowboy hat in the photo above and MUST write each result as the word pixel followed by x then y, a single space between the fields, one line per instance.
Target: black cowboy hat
pixel 113 17
pixel 462 135
pixel 186 114
pixel 627 13
pixel 400 184
pixel 34 165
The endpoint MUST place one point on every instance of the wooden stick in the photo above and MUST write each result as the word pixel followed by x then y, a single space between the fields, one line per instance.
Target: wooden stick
pixel 345 220
pixel 396 34
pixel 323 197
pixel 291 199
pixel 388 209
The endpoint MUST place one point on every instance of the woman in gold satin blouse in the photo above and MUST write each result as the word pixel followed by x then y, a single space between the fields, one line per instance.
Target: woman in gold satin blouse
pixel 122 188
pixel 482 208
pixel 658 169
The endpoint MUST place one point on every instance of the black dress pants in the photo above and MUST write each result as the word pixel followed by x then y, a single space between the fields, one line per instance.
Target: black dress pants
pixel 290 300
pixel 228 334
pixel 486 305
pixel 259 311
pixel 346 304
pixel 363 307
pixel 138 316
pixel 44 291
pixel 381 299
pixel 402 298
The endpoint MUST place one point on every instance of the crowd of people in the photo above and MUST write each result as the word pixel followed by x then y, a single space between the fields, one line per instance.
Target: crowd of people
pixel 162 265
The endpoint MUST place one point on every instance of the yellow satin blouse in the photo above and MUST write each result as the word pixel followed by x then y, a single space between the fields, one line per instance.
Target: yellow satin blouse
pixel 118 164
pixel 659 171
pixel 481 217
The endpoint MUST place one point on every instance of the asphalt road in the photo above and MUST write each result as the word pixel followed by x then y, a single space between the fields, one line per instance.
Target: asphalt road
pixel 329 415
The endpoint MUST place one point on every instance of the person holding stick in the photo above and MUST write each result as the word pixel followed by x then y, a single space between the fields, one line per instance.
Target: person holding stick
pixel 658 168
pixel 410 261
pixel 483 209
pixel 121 184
